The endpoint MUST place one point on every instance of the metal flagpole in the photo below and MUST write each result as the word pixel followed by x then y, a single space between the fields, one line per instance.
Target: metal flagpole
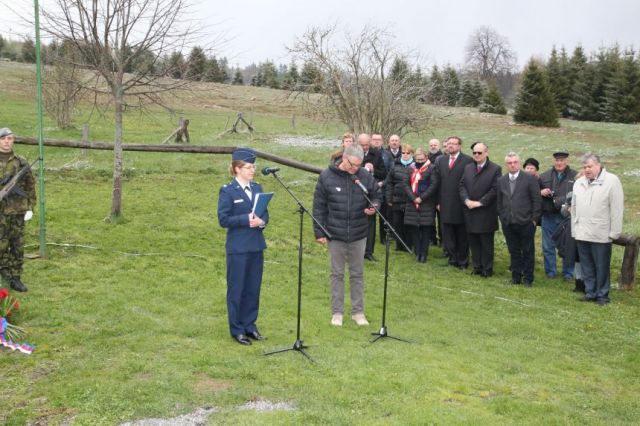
pixel 43 227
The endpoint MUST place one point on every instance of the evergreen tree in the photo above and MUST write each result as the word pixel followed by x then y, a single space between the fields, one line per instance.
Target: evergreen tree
pixel 558 83
pixel 224 76
pixel 212 71
pixel 2 43
pixel 400 70
pixel 622 94
pixel 175 67
pixel 311 78
pixel 436 87
pixel 28 51
pixel 451 86
pixel 478 90
pixel 238 79
pixel 196 65
pixel 534 103
pixel 469 94
pixel 492 101
pixel 269 75
pixel 291 78
pixel 576 74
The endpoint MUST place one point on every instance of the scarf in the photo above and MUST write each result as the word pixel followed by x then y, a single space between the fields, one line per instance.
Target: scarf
pixel 406 162
pixel 416 177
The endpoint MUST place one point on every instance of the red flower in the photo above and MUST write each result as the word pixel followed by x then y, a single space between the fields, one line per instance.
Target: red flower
pixel 3 293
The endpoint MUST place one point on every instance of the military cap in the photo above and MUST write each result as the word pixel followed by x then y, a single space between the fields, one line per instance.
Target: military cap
pixel 244 154
pixel 560 154
pixel 5 131
pixel 535 163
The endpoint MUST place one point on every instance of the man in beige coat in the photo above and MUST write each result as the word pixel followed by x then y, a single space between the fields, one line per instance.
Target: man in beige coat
pixel 596 220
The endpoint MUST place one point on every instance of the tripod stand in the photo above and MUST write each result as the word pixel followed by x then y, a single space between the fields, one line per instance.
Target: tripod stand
pixel 389 230
pixel 298 345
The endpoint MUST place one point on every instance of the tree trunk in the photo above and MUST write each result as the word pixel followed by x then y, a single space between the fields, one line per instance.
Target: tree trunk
pixel 116 201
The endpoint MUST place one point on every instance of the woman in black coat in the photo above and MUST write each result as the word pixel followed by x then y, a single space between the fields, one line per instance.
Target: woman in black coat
pixel 420 209
pixel 395 194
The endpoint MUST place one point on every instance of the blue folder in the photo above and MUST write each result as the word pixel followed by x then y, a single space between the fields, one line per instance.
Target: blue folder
pixel 261 202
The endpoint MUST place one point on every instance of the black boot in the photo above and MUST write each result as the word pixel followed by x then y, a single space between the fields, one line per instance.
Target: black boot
pixel 579 286
pixel 17 285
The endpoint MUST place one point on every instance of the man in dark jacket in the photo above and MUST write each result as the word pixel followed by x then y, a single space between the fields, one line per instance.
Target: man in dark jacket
pixel 449 169
pixel 478 192
pixel 519 209
pixel 374 163
pixel 340 206
pixel 555 184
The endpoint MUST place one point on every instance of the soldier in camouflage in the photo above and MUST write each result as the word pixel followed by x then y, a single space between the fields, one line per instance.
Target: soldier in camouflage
pixel 15 209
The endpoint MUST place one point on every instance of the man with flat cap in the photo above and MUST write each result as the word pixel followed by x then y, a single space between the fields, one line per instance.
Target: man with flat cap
pixel 245 245
pixel 555 183
pixel 15 208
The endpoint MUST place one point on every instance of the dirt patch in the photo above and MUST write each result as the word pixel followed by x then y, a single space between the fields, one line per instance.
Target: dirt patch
pixel 205 383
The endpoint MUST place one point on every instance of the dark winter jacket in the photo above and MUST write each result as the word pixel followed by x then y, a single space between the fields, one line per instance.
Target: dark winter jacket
pixel 394 186
pixel 338 203
pixel 425 213
pixel 560 188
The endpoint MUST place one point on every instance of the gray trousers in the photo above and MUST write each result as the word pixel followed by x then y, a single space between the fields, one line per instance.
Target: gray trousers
pixel 353 254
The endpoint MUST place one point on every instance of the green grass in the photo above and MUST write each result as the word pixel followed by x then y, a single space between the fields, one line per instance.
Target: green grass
pixel 136 326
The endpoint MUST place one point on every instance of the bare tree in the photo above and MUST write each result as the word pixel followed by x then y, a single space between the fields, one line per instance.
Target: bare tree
pixel 113 37
pixel 357 83
pixel 488 53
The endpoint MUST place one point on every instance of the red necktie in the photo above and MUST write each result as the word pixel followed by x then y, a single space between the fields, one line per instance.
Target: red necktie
pixel 479 169
pixel 452 160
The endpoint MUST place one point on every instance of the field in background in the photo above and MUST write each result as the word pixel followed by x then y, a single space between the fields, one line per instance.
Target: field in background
pixel 129 320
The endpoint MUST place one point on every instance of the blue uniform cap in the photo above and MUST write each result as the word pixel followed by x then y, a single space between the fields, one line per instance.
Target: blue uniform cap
pixel 244 154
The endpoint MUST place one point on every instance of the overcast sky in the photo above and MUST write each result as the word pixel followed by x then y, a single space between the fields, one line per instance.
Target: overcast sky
pixel 436 30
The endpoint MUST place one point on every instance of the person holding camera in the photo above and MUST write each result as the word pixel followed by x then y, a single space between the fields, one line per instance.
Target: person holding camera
pixel 555 183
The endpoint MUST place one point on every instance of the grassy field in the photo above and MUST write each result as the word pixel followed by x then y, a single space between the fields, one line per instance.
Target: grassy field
pixel 129 319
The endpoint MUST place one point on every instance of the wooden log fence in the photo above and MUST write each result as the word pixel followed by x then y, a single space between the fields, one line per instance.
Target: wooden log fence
pixel 187 149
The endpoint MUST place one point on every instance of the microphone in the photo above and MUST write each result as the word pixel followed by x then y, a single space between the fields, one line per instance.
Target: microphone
pixel 268 170
pixel 355 180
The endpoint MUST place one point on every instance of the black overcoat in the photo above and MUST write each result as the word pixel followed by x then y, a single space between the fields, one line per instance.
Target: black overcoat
pixel 481 187
pixel 449 187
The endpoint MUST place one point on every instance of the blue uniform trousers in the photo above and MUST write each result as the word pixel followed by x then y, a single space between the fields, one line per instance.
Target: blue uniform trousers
pixel 244 275
pixel 595 264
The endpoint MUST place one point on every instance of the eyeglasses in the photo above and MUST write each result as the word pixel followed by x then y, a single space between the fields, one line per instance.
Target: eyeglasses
pixel 477 153
pixel 249 166
pixel 351 164
pixel 406 152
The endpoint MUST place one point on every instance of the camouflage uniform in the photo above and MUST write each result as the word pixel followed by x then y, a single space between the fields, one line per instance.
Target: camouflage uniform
pixel 12 209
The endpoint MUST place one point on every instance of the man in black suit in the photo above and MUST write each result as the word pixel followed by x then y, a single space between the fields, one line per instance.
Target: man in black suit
pixel 374 163
pixel 449 169
pixel 478 192
pixel 519 204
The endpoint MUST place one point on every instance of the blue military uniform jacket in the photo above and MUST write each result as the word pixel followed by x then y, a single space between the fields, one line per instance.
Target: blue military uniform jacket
pixel 234 207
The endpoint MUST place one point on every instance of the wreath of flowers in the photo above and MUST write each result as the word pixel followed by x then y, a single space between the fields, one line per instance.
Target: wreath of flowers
pixel 10 333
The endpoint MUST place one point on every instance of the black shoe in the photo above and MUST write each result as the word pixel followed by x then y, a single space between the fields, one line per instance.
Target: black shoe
pixel 370 257
pixel 602 302
pixel 242 339
pixel 516 282
pixel 17 285
pixel 476 272
pixel 586 299
pixel 255 335
pixel 527 283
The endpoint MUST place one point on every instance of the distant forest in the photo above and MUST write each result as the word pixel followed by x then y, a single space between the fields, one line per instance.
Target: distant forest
pixel 598 86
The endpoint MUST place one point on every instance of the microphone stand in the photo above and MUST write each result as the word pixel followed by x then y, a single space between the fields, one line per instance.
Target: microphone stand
pixel 389 230
pixel 298 345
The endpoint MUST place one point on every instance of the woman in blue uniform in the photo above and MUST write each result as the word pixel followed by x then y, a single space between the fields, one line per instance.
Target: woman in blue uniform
pixel 244 246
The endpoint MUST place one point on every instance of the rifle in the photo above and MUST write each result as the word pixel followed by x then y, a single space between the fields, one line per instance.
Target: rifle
pixel 9 186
